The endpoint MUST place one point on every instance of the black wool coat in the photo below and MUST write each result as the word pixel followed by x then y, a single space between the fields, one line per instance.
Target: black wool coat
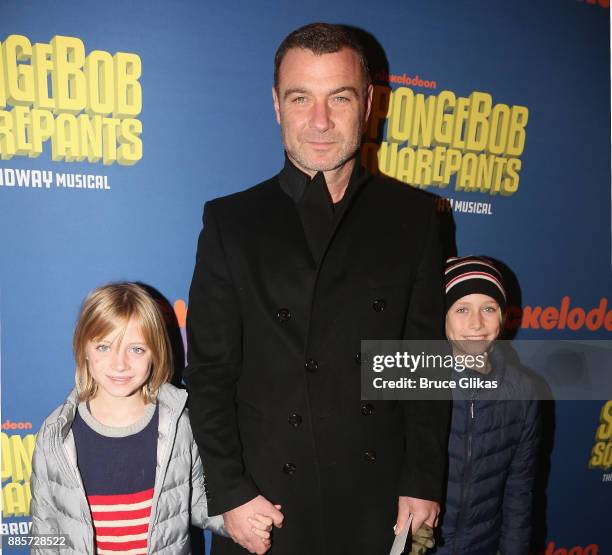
pixel 274 364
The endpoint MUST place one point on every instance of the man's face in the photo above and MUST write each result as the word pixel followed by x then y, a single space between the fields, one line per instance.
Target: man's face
pixel 321 106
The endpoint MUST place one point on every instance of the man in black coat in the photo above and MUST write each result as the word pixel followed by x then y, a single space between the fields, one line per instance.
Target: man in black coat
pixel 290 276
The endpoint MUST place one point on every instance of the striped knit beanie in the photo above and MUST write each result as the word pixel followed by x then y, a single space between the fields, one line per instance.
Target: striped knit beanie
pixel 473 274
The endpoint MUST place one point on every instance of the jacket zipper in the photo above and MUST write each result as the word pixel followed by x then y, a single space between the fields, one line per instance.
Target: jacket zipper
pixel 466 474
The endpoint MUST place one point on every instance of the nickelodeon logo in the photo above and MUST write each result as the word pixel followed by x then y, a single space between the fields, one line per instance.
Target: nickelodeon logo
pixel 404 79
pixel 591 549
pixel 561 318
pixel 8 425
pixel 602 3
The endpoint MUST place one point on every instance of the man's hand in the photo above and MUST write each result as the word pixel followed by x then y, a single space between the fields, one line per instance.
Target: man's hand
pixel 240 528
pixel 423 511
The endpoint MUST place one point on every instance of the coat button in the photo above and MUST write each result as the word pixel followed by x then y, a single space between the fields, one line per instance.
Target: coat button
pixel 369 455
pixel 289 469
pixel 379 305
pixel 295 420
pixel 367 409
pixel 283 315
pixel 311 365
pixel 358 358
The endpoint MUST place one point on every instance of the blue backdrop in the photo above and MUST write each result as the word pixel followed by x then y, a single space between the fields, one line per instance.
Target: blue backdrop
pixel 208 129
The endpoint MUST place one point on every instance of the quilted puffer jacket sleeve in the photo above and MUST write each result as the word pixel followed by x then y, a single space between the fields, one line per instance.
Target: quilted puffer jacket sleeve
pixel 517 506
pixel 199 506
pixel 42 509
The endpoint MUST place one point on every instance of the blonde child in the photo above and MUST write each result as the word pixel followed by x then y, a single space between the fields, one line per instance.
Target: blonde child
pixel 115 468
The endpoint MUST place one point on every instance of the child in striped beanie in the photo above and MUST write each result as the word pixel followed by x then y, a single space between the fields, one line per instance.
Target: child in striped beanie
pixel 495 433
pixel 475 303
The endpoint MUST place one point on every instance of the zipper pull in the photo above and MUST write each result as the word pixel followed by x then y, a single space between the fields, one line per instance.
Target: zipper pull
pixel 472 409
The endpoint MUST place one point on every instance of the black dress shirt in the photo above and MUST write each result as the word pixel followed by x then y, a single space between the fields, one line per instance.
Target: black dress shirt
pixel 314 203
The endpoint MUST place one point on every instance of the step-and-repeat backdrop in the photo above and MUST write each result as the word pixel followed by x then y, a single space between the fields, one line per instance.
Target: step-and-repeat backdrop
pixel 119 119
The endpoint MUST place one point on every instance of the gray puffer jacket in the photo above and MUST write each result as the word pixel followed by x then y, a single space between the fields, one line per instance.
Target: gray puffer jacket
pixel 59 505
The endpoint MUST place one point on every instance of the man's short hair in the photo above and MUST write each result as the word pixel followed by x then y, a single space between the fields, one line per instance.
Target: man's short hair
pixel 322 38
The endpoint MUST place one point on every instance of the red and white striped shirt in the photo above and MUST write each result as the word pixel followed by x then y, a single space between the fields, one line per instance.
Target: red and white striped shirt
pixel 121 522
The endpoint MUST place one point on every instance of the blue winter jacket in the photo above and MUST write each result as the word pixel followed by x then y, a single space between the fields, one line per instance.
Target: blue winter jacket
pixel 492 453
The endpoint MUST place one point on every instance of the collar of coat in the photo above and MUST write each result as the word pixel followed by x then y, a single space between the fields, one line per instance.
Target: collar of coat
pixel 294 181
pixel 170 399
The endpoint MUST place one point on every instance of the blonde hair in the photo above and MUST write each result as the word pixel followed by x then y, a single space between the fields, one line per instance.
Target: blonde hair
pixel 110 307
